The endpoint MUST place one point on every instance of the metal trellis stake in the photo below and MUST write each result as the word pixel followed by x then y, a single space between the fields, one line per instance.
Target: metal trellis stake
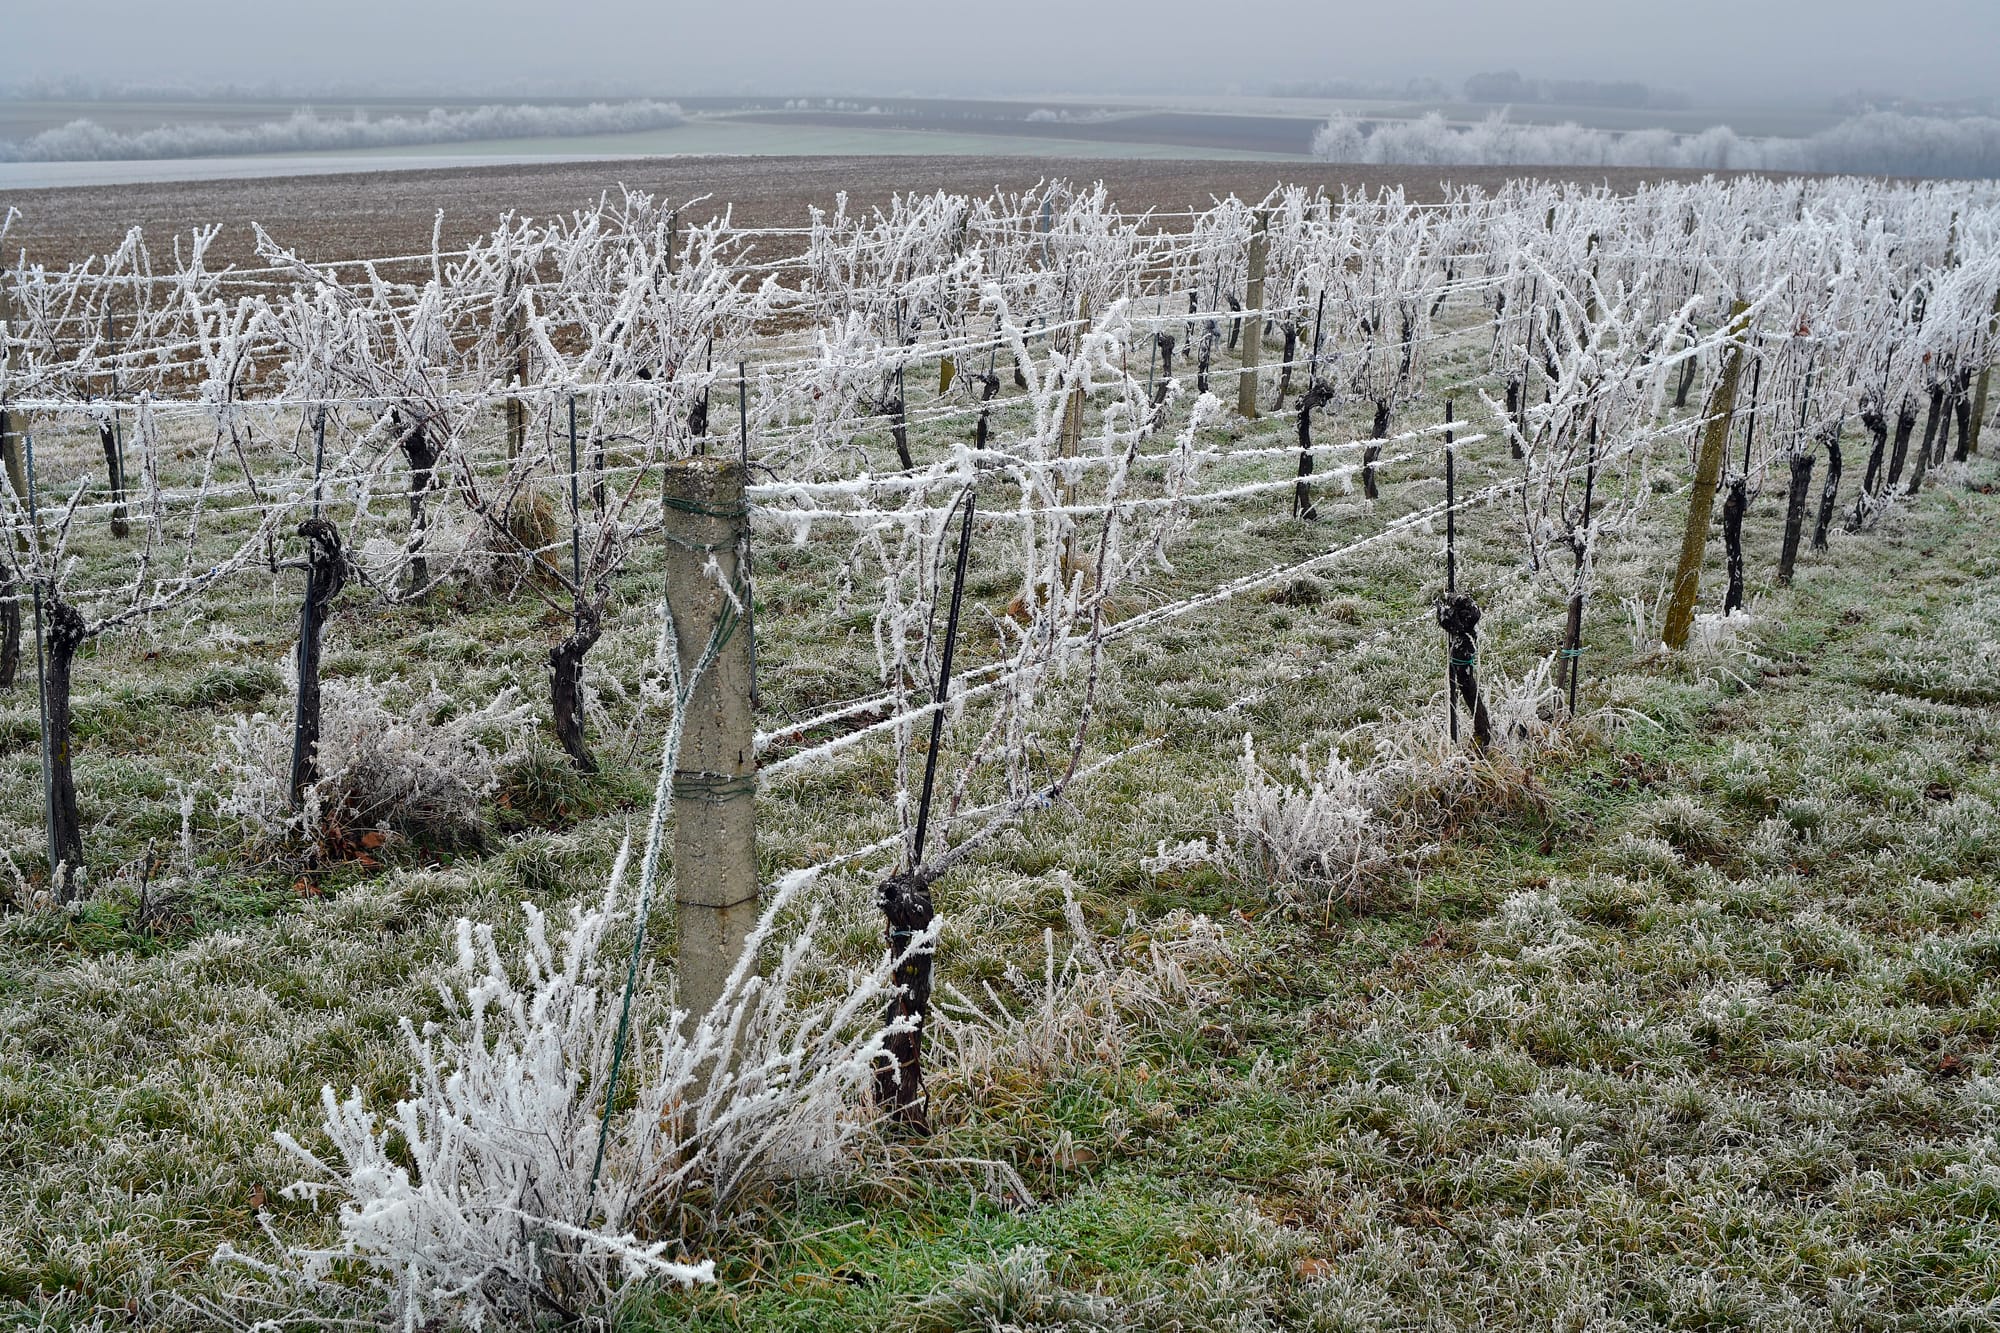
pixel 943 682
pixel 749 577
pixel 575 512
pixel 909 910
pixel 42 672
pixel 1450 554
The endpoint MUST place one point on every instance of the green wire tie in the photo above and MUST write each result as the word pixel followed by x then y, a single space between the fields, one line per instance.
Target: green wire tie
pixel 714 788
pixel 706 511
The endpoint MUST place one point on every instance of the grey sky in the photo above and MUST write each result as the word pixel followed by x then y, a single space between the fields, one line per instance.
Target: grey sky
pixel 1724 50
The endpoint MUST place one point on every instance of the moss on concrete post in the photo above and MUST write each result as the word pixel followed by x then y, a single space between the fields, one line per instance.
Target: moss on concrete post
pixel 1701 499
pixel 715 773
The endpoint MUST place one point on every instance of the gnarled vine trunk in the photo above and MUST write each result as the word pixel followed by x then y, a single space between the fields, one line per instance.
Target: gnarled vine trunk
pixel 1922 465
pixel 566 692
pixel 1459 618
pixel 1795 514
pixel 114 471
pixel 1686 382
pixel 1829 493
pixel 10 625
pixel 899 1076
pixel 1899 452
pixel 989 385
pixel 1285 369
pixel 422 457
pixel 1372 451
pixel 1733 509
pixel 1961 405
pixel 1319 395
pixel 326 574
pixel 66 634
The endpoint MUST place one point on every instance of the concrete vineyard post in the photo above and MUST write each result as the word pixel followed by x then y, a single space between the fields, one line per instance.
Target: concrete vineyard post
pixel 1701 499
pixel 10 456
pixel 715 773
pixel 11 422
pixel 1253 334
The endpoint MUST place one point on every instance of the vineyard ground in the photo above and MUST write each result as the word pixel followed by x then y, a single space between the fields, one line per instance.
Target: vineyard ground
pixel 1694 1028
pixel 392 212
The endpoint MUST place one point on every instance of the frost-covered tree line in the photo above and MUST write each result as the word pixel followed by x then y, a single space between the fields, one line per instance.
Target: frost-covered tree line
pixel 1877 143
pixel 1038 368
pixel 307 130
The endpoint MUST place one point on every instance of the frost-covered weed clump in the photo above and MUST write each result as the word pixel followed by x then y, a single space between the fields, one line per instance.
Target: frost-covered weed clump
pixel 1086 1007
pixel 390 757
pixel 1335 832
pixel 1321 835
pixel 499 1190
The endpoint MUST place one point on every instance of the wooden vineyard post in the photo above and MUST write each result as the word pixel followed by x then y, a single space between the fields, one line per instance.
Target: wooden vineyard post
pixel 517 407
pixel 715 772
pixel 1701 499
pixel 1985 376
pixel 1253 333
pixel 1072 441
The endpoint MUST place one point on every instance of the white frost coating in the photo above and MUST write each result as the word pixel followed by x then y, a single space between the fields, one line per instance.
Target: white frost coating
pixel 477 1197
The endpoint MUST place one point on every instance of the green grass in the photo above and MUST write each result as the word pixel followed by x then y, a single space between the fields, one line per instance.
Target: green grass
pixel 1705 1038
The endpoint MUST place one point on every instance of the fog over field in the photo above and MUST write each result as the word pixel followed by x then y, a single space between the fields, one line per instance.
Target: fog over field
pixel 1714 49
pixel 1783 86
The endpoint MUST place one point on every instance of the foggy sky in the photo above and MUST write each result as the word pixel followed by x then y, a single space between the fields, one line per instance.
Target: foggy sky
pixel 1718 50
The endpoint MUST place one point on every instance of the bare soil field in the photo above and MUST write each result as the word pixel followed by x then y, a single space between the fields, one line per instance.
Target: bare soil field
pixel 393 212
